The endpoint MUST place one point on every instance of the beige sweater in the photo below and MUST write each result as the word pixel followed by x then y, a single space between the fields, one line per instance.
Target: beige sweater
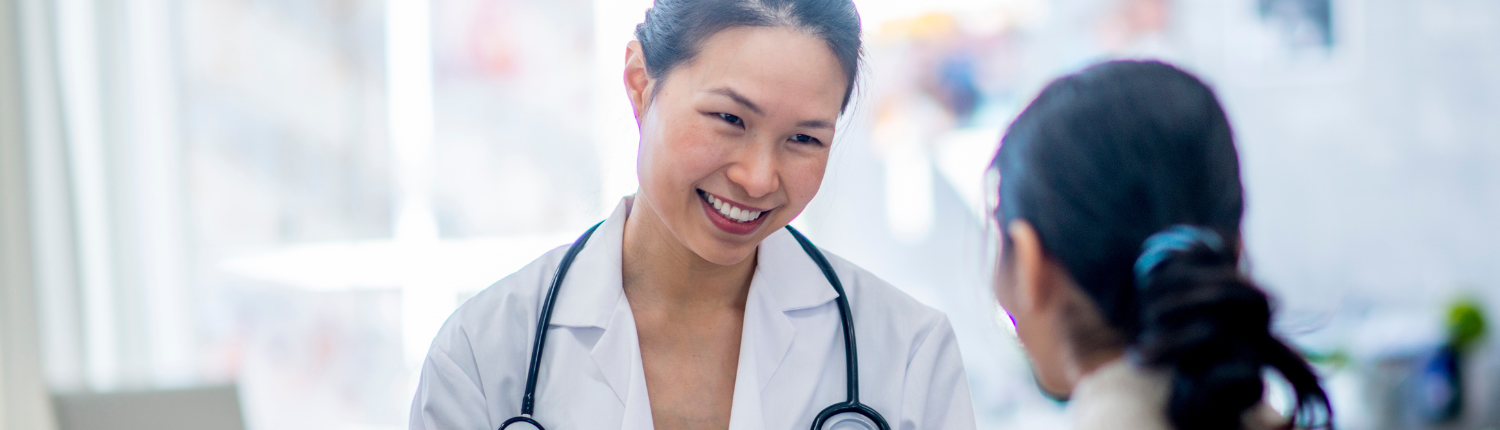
pixel 1123 396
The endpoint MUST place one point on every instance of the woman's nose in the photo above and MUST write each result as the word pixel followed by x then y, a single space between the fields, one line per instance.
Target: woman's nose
pixel 755 170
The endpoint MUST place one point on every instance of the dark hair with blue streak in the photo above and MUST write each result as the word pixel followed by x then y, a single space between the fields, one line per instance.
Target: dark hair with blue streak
pixel 1105 159
pixel 675 29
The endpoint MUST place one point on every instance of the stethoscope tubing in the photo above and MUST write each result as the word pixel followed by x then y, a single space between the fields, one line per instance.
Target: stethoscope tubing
pixel 851 354
pixel 528 399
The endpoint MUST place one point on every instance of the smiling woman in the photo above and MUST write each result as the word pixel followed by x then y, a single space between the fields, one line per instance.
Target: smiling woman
pixel 692 306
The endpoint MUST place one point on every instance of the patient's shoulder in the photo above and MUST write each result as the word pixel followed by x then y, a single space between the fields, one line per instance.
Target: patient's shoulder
pixel 1121 396
pixel 1124 396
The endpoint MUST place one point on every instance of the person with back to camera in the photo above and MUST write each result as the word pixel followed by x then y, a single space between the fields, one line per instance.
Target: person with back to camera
pixel 694 305
pixel 1119 210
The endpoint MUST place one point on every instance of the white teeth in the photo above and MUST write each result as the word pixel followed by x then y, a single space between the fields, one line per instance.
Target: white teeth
pixel 730 211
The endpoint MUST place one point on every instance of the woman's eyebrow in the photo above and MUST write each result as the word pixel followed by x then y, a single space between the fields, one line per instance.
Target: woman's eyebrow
pixel 815 123
pixel 726 92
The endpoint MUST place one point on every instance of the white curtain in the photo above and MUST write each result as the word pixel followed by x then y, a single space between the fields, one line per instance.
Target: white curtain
pixel 102 193
pixel 24 403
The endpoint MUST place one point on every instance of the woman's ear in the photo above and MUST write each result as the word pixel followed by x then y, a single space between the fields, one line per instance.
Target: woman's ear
pixel 638 82
pixel 1033 284
pixel 1039 304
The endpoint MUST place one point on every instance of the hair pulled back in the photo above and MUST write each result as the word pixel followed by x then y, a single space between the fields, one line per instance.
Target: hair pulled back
pixel 674 30
pixel 1106 159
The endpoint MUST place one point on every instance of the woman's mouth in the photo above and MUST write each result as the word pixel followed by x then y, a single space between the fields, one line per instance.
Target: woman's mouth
pixel 731 217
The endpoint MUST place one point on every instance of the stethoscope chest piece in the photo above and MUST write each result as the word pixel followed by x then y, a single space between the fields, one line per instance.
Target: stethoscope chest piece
pixel 850 423
pixel 523 422
pixel 847 415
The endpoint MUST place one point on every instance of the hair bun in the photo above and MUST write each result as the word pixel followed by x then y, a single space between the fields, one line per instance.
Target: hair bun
pixel 1175 239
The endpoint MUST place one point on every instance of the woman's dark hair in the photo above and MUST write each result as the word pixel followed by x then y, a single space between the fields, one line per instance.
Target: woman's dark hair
pixel 1105 159
pixel 675 29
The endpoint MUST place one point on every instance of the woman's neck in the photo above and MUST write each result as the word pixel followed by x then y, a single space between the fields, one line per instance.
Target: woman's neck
pixel 661 272
pixel 1081 365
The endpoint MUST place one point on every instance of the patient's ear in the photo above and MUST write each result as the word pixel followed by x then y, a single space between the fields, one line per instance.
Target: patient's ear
pixel 1035 289
pixel 1041 292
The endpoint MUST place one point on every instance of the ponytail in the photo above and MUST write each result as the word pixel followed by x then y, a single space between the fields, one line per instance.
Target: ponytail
pixel 1210 326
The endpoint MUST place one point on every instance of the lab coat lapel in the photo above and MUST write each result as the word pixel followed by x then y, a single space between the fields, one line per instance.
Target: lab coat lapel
pixel 765 338
pixel 592 296
pixel 785 280
pixel 768 332
pixel 618 355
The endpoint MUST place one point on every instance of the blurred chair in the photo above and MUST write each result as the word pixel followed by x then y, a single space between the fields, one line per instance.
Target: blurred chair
pixel 203 408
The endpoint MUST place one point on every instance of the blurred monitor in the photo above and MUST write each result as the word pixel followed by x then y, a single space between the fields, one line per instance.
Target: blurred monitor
pixel 202 408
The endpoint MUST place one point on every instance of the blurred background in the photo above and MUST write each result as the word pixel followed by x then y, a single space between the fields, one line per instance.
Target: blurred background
pixel 256 213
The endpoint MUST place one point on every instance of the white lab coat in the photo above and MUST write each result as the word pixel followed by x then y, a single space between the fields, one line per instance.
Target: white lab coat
pixel 791 363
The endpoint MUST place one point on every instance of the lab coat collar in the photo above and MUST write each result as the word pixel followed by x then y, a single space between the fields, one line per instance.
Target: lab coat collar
pixel 789 275
pixel 786 279
pixel 593 286
pixel 591 290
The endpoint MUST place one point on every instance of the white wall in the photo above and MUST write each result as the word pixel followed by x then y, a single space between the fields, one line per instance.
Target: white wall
pixel 1372 179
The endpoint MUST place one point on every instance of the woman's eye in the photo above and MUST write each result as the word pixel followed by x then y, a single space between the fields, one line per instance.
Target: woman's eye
pixel 731 119
pixel 802 138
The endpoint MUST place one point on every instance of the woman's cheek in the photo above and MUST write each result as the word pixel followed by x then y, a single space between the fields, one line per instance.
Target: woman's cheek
pixel 696 151
pixel 655 151
pixel 805 178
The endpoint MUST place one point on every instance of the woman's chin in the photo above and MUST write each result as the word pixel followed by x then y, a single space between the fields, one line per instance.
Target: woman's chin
pixel 724 254
pixel 727 249
pixel 1052 385
pixel 1052 391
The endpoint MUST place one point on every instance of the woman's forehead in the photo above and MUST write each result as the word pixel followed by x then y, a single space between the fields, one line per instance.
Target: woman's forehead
pixel 773 67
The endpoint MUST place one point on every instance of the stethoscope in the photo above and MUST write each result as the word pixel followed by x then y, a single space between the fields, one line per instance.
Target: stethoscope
pixel 851 358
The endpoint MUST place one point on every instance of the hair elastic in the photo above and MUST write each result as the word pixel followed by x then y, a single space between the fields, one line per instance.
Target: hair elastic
pixel 1177 238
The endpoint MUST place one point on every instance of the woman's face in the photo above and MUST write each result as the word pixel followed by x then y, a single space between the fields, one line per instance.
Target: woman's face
pixel 735 142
